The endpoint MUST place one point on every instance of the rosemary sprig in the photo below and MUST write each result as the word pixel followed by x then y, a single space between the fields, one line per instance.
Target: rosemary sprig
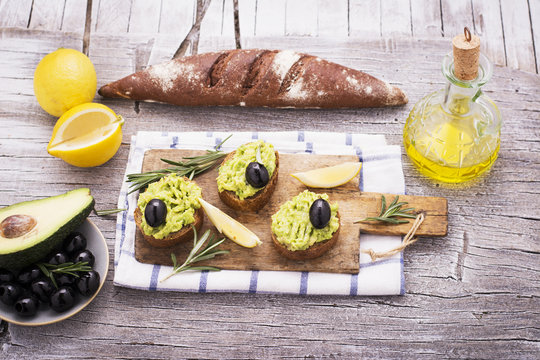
pixel 66 268
pixel 190 167
pixel 196 254
pixel 390 214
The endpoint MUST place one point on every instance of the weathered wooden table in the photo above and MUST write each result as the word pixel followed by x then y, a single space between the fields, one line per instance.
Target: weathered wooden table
pixel 472 294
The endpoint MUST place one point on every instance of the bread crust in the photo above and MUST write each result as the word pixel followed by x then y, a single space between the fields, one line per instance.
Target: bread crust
pixel 255 78
pixel 312 252
pixel 255 202
pixel 185 233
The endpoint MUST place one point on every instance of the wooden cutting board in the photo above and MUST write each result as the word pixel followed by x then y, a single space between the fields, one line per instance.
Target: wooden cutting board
pixel 353 205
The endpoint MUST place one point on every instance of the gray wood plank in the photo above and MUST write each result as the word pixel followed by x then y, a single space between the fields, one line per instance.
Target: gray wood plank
pixel 301 18
pixel 74 15
pixel 112 16
pixel 270 19
pixel 15 13
pixel 426 18
pixel 395 18
pixel 47 14
pixel 333 18
pixel 364 18
pixel 177 17
pixel 518 35
pixel 488 25
pixel 145 16
pixel 534 9
pixel 456 14
pixel 247 10
pixel 472 294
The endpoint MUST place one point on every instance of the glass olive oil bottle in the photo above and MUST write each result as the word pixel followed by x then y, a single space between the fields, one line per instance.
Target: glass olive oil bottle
pixel 453 135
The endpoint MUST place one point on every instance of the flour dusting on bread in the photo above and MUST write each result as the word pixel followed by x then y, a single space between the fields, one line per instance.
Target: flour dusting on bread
pixel 165 75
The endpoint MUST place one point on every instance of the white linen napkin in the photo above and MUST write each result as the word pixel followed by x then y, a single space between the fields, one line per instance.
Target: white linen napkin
pixel 381 172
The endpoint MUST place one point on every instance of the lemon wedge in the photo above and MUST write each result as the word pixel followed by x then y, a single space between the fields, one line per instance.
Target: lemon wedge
pixel 329 177
pixel 230 227
pixel 86 135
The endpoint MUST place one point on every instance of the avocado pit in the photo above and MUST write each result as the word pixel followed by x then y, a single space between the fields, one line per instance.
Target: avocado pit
pixel 15 226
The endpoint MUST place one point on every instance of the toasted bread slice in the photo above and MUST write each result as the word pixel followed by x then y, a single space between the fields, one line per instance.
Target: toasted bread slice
pixel 255 202
pixel 312 252
pixel 185 233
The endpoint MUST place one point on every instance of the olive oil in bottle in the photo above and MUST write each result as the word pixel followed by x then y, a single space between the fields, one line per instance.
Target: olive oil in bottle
pixel 453 134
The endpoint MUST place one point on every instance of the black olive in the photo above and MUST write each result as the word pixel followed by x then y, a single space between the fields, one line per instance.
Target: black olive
pixel 86 256
pixel 75 242
pixel 27 306
pixel 63 299
pixel 155 212
pixel 43 289
pixel 10 292
pixel 319 213
pixel 59 258
pixel 257 175
pixel 6 276
pixel 88 283
pixel 29 274
pixel 65 279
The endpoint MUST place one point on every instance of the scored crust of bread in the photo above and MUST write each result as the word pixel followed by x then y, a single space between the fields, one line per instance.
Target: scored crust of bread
pixel 255 77
pixel 255 202
pixel 185 233
pixel 312 252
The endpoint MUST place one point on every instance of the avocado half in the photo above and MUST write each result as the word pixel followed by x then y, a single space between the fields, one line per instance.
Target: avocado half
pixel 51 220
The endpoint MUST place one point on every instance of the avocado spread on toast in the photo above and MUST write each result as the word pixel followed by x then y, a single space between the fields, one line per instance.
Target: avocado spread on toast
pixel 292 227
pixel 232 174
pixel 181 197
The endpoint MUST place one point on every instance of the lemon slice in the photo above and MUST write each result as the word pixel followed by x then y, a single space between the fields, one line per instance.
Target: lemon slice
pixel 329 177
pixel 86 135
pixel 230 227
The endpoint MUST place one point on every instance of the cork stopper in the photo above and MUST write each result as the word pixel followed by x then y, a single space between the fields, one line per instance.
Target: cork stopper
pixel 466 55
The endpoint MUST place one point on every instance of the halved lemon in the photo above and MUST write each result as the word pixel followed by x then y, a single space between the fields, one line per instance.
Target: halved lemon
pixel 329 177
pixel 230 227
pixel 86 135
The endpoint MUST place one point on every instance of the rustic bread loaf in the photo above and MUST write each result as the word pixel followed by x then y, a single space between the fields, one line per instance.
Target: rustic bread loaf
pixel 185 233
pixel 255 202
pixel 271 78
pixel 311 252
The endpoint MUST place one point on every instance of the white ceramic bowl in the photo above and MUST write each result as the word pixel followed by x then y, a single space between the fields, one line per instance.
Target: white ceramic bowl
pixel 98 246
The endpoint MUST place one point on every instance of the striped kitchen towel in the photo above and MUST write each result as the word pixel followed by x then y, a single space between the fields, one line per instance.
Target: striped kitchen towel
pixel 381 172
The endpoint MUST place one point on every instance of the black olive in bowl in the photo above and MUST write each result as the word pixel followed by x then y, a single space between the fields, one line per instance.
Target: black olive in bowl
pixel 85 256
pixel 42 289
pixel 75 242
pixel 10 293
pixel 63 299
pixel 88 283
pixel 29 274
pixel 27 306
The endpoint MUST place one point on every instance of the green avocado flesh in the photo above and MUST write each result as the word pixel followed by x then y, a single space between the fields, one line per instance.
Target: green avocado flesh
pixel 232 174
pixel 181 197
pixel 54 217
pixel 292 226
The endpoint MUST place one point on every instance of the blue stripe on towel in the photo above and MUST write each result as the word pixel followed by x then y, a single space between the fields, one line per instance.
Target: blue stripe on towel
pixel 402 287
pixel 300 136
pixel 254 135
pixel 174 142
pixel 124 220
pixel 203 281
pixel 253 281
pixel 348 139
pixel 354 285
pixel 361 159
pixel 209 134
pixel 154 277
pixel 309 148
pixel 303 282
pixel 218 141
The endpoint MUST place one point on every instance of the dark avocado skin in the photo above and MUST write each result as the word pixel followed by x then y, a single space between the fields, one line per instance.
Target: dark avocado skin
pixel 20 259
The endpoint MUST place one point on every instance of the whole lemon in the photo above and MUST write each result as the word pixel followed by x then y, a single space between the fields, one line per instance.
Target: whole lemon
pixel 63 79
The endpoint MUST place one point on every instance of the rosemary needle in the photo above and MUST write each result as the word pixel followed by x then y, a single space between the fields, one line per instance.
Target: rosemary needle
pixel 190 167
pixel 389 215
pixel 196 254
pixel 66 268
